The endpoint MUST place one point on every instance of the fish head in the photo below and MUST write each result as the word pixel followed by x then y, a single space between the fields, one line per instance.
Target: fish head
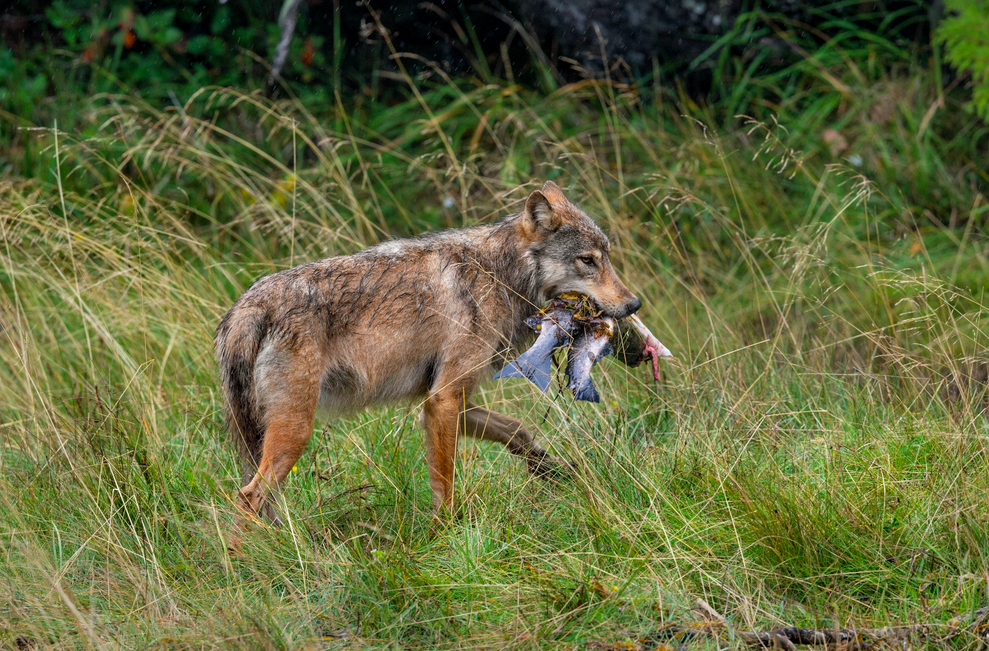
pixel 572 254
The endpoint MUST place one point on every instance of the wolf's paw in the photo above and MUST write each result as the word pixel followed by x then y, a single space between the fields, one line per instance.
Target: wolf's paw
pixel 551 468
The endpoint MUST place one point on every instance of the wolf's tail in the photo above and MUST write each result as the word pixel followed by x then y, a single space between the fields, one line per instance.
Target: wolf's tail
pixel 238 341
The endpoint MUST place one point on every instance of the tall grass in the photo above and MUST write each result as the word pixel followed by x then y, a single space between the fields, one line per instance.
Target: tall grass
pixel 815 454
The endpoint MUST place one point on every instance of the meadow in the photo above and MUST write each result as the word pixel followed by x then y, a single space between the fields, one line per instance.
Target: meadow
pixel 815 455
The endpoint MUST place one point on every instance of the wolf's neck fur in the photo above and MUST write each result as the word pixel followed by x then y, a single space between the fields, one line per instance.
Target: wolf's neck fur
pixel 502 251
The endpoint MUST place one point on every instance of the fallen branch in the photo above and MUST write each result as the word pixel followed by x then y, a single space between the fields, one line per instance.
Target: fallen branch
pixel 790 637
pixel 849 638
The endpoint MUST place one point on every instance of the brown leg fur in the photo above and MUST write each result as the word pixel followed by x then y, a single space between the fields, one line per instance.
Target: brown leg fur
pixel 487 425
pixel 440 413
pixel 268 509
pixel 289 423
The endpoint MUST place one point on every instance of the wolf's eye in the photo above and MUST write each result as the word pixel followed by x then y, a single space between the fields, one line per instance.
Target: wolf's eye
pixel 588 260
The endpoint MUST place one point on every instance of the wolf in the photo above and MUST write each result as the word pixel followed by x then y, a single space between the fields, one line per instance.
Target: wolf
pixel 422 318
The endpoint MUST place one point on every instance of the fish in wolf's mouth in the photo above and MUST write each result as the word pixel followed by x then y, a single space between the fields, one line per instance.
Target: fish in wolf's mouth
pixel 570 320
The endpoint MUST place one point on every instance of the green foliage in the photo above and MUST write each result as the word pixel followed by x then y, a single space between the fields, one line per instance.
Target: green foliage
pixel 965 35
pixel 163 49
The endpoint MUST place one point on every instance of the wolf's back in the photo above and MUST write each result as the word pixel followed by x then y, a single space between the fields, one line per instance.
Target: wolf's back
pixel 238 341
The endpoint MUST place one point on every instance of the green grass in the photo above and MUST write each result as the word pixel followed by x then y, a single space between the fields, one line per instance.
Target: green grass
pixel 815 455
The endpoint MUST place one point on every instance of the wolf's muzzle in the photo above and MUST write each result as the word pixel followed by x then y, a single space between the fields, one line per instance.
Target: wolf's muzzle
pixel 630 307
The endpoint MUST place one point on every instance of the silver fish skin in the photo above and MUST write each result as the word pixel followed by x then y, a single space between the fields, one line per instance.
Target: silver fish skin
pixel 588 349
pixel 535 364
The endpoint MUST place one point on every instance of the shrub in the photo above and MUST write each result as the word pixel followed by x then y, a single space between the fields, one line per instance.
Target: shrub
pixel 965 36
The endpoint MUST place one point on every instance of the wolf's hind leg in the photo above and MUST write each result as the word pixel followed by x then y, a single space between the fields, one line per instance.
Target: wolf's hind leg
pixel 284 441
pixel 267 509
pixel 290 413
pixel 488 425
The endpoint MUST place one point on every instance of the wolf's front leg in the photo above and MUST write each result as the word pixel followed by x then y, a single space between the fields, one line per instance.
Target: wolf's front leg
pixel 440 414
pixel 488 425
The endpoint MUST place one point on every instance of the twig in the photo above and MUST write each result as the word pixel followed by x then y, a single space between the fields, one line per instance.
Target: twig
pixel 852 638
pixel 790 637
pixel 286 21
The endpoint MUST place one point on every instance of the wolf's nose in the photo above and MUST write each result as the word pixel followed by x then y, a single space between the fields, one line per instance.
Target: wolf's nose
pixel 632 306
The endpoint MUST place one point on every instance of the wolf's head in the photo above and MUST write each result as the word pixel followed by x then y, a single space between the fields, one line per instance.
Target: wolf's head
pixel 571 254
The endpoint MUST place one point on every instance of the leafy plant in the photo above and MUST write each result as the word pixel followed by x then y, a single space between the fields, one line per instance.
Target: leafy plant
pixel 965 35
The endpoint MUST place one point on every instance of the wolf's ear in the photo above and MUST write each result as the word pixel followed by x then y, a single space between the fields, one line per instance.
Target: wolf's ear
pixel 553 192
pixel 539 217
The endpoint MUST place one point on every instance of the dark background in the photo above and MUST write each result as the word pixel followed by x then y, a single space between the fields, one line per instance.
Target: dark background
pixel 538 43
pixel 839 76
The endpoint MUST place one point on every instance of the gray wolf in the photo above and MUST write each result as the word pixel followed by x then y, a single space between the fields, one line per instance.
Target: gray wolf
pixel 422 318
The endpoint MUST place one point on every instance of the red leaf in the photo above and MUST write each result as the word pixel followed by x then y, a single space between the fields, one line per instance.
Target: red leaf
pixel 308 53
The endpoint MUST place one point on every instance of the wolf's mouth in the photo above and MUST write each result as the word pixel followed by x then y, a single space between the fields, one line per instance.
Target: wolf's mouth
pixel 624 312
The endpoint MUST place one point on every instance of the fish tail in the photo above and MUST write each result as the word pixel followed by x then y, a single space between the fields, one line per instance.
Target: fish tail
pixel 510 370
pixel 587 393
pixel 538 371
